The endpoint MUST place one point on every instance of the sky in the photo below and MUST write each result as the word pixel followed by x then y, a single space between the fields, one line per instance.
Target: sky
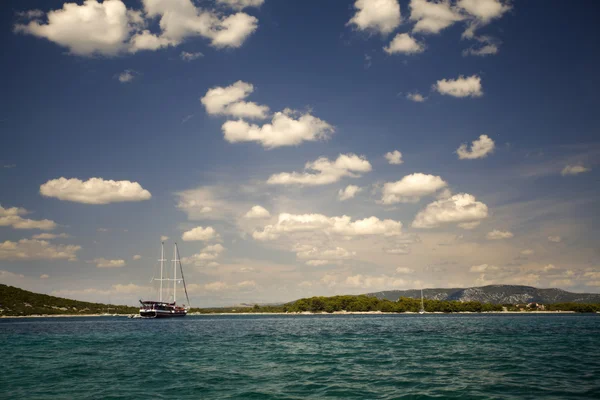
pixel 298 148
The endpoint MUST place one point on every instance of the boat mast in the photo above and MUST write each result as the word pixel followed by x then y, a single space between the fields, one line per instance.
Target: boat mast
pixel 175 273
pixel 162 260
pixel 422 305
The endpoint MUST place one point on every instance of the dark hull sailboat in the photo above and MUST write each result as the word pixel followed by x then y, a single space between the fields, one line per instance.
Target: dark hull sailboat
pixel 160 308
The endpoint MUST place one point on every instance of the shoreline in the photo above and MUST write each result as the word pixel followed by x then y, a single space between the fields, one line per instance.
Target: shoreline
pixel 292 314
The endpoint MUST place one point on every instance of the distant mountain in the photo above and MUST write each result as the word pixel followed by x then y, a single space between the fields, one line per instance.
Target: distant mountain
pixel 495 294
pixel 15 301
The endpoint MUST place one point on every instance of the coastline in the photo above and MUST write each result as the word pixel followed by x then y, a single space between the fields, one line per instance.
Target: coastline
pixel 292 314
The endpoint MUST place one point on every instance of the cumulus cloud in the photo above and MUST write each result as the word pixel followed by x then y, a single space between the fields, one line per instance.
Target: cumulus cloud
pixel 411 188
pixel 104 263
pixel 304 252
pixel 229 100
pixel 50 236
pixel 373 282
pixel 469 225
pixel 487 46
pixel 574 170
pixel 342 226
pixel 483 268
pixel 187 56
pixel 127 76
pixel 164 238
pixel 405 44
pixel 381 16
pixel 416 97
pixel 404 270
pixel 484 10
pixel 241 4
pixel 459 208
pixel 94 190
pixel 480 148
pixel 433 17
pixel 325 171
pixel 86 29
pixel 206 256
pixel 109 28
pixel 13 217
pixel 32 249
pixel 460 87
pixel 287 128
pixel 257 212
pixel 200 234
pixel 219 286
pixel 498 235
pixel 44 276
pixel 527 252
pixel 394 157
pixel 317 263
pixel 555 239
pixel 137 257
pixel 349 192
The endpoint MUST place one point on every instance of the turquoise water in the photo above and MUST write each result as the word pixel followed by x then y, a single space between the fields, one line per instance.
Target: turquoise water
pixel 299 357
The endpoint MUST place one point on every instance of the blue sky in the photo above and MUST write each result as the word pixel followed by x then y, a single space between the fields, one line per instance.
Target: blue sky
pixel 118 98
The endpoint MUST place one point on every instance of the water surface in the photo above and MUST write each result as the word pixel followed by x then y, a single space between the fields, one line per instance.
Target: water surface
pixel 297 357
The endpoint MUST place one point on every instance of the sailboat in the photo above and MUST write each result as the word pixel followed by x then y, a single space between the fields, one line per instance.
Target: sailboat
pixel 422 309
pixel 161 308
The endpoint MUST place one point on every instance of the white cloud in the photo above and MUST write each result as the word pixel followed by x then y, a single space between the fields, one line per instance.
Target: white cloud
pixel 498 235
pixel 487 49
pixel 257 212
pixel 592 275
pixel 87 29
pixel 137 257
pixel 241 4
pixel 343 226
pixel 180 19
pixel 405 44
pixel 44 276
pixel 411 188
pixel 187 56
pixel 401 249
pixel 216 286
pixel 480 148
pixel 206 256
pixel 317 263
pixel 304 252
pixel 50 236
pixel 483 268
pixel 460 87
pixel 373 282
pixel 229 101
pixel 164 238
pixel 484 10
pixel 562 282
pixel 94 190
pixel 416 97
pixel 327 172
pixel 549 267
pixel 109 28
pixel 287 128
pixel 404 270
pixel 349 192
pixel 469 225
pixel 394 157
pixel 104 263
pixel 31 249
pixel 554 239
pixel 527 252
pixel 573 170
pixel 459 208
pixel 382 16
pixel 433 17
pixel 127 76
pixel 200 233
pixel 12 217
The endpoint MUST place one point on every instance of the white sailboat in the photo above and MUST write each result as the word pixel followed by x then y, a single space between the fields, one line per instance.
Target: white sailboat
pixel 422 309
pixel 161 308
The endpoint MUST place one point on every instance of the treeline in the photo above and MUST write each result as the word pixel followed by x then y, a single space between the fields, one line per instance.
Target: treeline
pixel 19 302
pixel 404 304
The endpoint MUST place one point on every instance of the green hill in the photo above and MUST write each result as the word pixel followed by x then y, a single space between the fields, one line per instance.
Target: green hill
pixel 19 302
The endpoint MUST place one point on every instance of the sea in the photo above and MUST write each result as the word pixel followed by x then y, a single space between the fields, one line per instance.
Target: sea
pixel 432 356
